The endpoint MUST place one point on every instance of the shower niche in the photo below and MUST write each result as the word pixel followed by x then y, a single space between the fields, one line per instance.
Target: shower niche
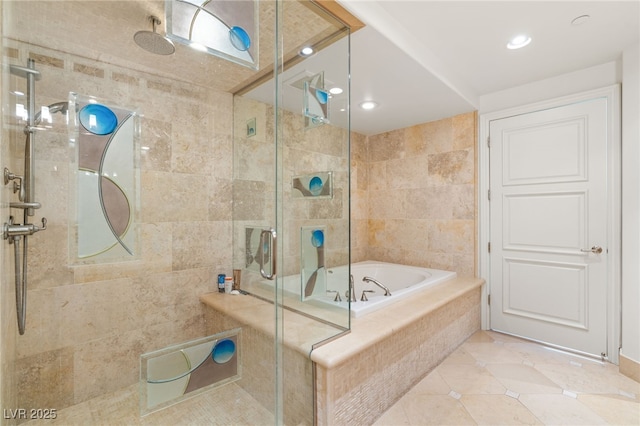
pixel 104 141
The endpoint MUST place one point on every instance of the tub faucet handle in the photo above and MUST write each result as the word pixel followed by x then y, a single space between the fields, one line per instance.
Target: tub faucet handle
pixel 337 298
pixel 364 296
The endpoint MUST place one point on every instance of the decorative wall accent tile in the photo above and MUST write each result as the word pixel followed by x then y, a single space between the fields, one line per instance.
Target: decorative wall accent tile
pixel 156 85
pixel 105 209
pixel 170 375
pixel 315 101
pixel 313 274
pixel 125 78
pixel 314 185
pixel 10 52
pixel 88 70
pixel 47 60
pixel 229 31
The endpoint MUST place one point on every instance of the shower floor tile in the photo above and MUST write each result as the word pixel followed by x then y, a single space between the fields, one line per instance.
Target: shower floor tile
pixel 226 405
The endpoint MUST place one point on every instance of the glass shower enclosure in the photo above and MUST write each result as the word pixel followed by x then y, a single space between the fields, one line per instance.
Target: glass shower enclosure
pixel 291 228
pixel 291 198
pixel 150 146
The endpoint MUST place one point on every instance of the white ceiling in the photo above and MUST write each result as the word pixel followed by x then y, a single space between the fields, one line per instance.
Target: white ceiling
pixel 426 60
pixel 421 60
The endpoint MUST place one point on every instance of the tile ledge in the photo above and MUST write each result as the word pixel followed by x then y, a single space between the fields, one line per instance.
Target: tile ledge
pixel 258 314
pixel 386 321
pixel 360 338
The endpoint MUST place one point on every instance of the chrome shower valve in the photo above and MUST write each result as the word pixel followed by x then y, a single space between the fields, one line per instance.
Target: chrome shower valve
pixel 10 231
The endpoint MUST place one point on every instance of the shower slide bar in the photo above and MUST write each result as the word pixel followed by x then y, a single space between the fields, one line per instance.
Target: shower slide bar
pixel 25 187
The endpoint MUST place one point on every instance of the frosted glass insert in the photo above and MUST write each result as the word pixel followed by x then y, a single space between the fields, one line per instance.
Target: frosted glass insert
pixel 313 273
pixel 105 141
pixel 223 28
pixel 172 374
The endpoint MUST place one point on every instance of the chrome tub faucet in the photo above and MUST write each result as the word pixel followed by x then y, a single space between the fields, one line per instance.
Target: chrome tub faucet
pixel 387 292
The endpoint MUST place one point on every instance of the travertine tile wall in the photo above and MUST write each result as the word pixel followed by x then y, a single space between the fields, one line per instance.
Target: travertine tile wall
pixel 359 198
pixel 87 325
pixel 414 195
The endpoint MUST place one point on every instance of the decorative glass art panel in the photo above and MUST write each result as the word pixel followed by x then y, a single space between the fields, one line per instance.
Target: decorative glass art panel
pixel 224 28
pixel 105 173
pixel 257 250
pixel 170 375
pixel 316 102
pixel 317 185
pixel 313 274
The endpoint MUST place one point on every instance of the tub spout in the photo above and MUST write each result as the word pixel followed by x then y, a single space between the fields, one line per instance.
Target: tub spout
pixel 387 292
pixel 351 293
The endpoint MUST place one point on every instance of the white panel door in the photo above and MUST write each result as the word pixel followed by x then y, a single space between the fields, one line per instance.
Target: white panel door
pixel 548 181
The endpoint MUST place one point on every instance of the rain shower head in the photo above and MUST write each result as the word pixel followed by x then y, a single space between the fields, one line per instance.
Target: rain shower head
pixel 153 42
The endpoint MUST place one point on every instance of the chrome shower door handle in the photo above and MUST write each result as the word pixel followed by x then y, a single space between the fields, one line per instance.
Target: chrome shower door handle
pixel 594 249
pixel 269 234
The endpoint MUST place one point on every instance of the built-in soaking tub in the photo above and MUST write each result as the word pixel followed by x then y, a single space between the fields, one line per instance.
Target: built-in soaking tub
pixel 401 280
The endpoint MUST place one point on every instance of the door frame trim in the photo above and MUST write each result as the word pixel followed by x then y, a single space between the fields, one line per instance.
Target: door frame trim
pixel 614 203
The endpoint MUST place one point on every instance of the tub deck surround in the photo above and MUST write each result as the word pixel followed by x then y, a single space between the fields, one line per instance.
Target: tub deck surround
pixel 300 332
pixel 379 325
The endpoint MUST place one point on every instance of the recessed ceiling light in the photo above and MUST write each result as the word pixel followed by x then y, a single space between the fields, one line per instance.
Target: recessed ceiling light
pixel 306 51
pixel 368 105
pixel 335 90
pixel 519 41
pixel 580 20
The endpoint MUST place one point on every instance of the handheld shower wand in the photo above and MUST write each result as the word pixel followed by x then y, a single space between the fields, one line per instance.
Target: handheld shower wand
pixel 25 186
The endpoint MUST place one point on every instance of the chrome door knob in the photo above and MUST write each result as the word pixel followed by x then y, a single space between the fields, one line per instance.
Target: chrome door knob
pixel 594 249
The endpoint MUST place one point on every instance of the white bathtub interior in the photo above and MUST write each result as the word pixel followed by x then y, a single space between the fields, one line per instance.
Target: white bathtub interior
pixel 402 281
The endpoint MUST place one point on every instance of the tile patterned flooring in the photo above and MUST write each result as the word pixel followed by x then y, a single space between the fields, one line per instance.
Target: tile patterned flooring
pixel 495 379
pixel 491 379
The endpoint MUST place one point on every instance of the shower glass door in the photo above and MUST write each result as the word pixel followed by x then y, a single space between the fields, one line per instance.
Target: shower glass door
pixel 291 180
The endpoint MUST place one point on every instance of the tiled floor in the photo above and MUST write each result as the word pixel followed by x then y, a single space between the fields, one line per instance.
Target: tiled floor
pixel 494 379
pixel 226 405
